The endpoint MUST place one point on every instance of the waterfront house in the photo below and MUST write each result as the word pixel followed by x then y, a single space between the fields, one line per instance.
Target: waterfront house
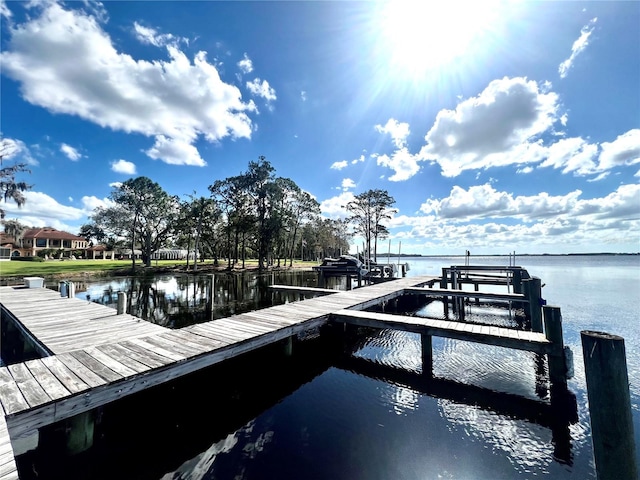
pixel 44 238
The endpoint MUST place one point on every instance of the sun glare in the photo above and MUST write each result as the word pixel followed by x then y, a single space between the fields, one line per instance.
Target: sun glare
pixel 419 36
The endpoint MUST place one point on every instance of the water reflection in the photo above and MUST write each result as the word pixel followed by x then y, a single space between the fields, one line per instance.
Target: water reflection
pixel 175 301
pixel 200 417
pixel 484 413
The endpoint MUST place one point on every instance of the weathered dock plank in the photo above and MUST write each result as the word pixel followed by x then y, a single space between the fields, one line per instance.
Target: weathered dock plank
pixel 144 355
pixel 96 366
pixel 49 382
pixel 68 324
pixel 8 468
pixel 70 380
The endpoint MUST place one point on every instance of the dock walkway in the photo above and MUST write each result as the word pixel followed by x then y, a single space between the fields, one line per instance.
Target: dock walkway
pixel 97 357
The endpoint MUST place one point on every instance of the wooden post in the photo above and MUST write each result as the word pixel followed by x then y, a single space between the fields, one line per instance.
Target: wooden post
pixel 533 292
pixel 427 355
pixel 476 287
pixel 288 347
pixel 349 285
pixel 517 280
pixel 80 432
pixel 122 303
pixel 443 278
pixel 72 290
pixel 605 367
pixel 320 279
pixel 553 332
pixel 212 295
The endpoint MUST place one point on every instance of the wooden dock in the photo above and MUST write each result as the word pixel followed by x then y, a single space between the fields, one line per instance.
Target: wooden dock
pixel 98 357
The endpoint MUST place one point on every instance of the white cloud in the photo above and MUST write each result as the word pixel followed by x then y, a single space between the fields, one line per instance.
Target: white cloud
pixel 572 155
pixel 347 184
pixel 577 156
pixel 481 218
pixel 149 36
pixel 624 150
pixel 123 166
pixel 496 128
pixel 41 210
pixel 16 150
pixel 261 88
pixel 398 131
pixel 485 202
pixel 339 165
pixel 40 205
pixel 335 207
pixel 578 47
pixel 71 153
pixel 404 164
pixel 115 184
pixel 344 164
pixel 175 151
pixel 65 62
pixel 90 203
pixel 245 65
pixel 401 161
pixel 4 10
pixel 303 96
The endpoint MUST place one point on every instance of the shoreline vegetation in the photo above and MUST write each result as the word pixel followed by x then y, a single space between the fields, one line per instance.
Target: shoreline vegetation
pixel 85 269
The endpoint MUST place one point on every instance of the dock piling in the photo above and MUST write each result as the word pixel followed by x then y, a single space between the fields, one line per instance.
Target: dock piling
pixel 122 303
pixel 605 366
pixel 553 332
pixel 427 355
pixel 533 292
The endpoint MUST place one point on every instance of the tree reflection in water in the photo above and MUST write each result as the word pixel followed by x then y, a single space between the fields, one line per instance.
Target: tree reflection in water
pixel 176 301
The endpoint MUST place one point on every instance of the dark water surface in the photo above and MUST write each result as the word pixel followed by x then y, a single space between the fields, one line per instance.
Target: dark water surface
pixel 322 414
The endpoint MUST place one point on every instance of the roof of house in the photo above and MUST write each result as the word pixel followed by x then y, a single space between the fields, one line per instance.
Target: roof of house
pixel 49 232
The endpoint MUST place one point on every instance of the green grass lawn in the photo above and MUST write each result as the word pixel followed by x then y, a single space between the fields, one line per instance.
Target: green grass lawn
pixel 54 267
pixel 79 267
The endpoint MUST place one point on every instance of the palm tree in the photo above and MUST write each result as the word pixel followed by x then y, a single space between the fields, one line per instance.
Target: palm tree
pixel 9 188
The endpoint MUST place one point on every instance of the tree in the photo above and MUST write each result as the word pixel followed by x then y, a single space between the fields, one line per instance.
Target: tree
pixel 10 189
pixel 14 229
pixel 195 215
pixel 262 210
pixel 143 213
pixel 303 207
pixel 258 182
pixel 325 237
pixel 233 202
pixel 367 211
pixel 91 232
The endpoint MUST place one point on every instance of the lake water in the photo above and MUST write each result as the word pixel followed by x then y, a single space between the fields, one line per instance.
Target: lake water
pixel 322 415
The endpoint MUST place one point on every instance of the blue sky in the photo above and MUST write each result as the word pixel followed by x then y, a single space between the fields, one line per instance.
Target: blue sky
pixel 496 126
